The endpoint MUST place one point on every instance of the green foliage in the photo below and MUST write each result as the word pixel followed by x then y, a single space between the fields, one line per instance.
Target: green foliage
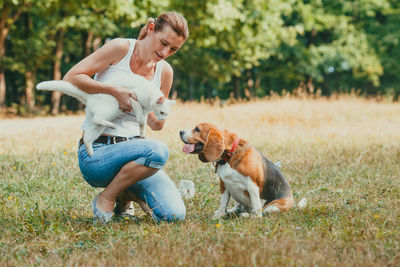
pixel 233 44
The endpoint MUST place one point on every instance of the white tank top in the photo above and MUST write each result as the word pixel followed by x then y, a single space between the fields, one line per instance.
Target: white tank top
pixel 125 125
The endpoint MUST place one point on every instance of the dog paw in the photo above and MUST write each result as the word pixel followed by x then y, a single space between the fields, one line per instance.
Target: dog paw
pixel 236 210
pixel 302 203
pixel 271 209
pixel 258 214
pixel 244 215
pixel 89 150
pixel 218 214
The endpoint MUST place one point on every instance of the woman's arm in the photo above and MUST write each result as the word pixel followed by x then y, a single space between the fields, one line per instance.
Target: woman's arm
pixel 167 77
pixel 110 53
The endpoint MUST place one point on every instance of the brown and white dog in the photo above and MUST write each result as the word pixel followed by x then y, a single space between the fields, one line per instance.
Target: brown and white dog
pixel 253 181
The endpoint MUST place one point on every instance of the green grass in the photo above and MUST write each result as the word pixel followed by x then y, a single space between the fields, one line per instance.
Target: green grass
pixel 342 155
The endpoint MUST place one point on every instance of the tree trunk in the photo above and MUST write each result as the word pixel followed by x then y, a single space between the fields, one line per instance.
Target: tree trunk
pixel 56 96
pixel 191 88
pixel 250 85
pixel 96 43
pixel 88 43
pixel 236 85
pixel 3 34
pixel 6 22
pixel 29 90
pixel 2 89
pixel 257 84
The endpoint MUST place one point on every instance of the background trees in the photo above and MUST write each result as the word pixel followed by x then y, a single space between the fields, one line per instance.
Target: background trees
pixel 236 47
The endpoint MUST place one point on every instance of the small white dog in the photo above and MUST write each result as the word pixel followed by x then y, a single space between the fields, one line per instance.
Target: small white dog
pixel 102 109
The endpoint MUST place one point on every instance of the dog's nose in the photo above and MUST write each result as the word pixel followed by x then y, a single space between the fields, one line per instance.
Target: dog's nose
pixel 181 132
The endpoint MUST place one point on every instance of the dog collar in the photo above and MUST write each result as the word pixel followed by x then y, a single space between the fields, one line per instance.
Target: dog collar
pixel 227 155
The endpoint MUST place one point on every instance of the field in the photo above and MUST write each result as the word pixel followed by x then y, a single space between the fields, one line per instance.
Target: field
pixel 342 154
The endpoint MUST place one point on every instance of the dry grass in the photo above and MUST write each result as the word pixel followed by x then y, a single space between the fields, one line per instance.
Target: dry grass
pixel 342 155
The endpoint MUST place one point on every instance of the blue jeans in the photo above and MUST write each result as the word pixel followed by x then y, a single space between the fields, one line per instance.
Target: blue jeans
pixel 158 191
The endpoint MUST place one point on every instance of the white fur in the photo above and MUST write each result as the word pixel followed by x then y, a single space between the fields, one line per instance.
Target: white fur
pixel 102 109
pixel 302 203
pixel 185 136
pixel 271 208
pixel 235 185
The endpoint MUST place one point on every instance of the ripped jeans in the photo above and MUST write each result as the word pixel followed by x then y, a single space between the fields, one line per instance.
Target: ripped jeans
pixel 158 191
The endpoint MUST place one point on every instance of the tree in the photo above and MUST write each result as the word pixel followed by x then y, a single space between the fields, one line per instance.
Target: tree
pixel 98 18
pixel 30 47
pixel 229 37
pixel 330 50
pixel 10 12
pixel 233 45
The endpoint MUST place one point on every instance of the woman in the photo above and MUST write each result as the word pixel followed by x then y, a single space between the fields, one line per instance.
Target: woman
pixel 130 168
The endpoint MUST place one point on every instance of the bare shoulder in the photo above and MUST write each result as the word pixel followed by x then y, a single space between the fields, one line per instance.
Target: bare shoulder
pixel 120 43
pixel 118 47
pixel 110 53
pixel 167 69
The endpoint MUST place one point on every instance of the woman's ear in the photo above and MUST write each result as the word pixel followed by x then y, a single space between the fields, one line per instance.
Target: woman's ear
pixel 214 146
pixel 150 27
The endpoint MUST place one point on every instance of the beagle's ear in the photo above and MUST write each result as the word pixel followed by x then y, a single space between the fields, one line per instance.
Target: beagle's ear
pixel 214 146
pixel 160 100
pixel 202 158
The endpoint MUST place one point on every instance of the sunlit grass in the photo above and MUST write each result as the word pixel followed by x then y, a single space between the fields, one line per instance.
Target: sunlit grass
pixel 342 155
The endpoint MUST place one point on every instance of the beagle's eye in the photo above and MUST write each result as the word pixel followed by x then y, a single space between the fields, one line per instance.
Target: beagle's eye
pixel 197 130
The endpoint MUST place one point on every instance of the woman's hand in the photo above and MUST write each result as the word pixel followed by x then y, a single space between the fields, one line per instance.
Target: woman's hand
pixel 153 123
pixel 124 97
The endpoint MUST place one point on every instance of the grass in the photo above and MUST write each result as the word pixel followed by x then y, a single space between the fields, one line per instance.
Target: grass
pixel 341 154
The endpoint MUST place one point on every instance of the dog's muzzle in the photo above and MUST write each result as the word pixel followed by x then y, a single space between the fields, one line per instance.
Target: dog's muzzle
pixel 189 148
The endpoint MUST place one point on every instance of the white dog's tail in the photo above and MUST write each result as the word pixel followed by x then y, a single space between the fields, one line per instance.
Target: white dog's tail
pixel 63 87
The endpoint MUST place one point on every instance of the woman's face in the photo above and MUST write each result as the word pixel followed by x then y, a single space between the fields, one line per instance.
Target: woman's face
pixel 163 43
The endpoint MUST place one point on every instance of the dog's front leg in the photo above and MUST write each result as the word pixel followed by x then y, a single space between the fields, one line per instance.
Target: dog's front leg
pixel 140 116
pixel 143 129
pixel 223 204
pixel 237 209
pixel 92 132
pixel 254 198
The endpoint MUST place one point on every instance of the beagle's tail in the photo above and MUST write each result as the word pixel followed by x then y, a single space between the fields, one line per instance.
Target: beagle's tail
pixel 284 204
pixel 302 203
pixel 65 88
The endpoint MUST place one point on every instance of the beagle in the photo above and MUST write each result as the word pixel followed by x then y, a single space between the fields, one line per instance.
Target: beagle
pixel 253 181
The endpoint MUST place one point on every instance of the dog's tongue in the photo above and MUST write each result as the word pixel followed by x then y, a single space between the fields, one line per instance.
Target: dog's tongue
pixel 188 148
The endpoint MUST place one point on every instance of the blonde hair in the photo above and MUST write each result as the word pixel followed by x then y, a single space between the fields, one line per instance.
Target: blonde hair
pixel 176 21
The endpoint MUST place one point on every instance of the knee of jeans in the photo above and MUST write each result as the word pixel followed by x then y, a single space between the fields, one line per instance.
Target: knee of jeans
pixel 160 152
pixel 173 215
